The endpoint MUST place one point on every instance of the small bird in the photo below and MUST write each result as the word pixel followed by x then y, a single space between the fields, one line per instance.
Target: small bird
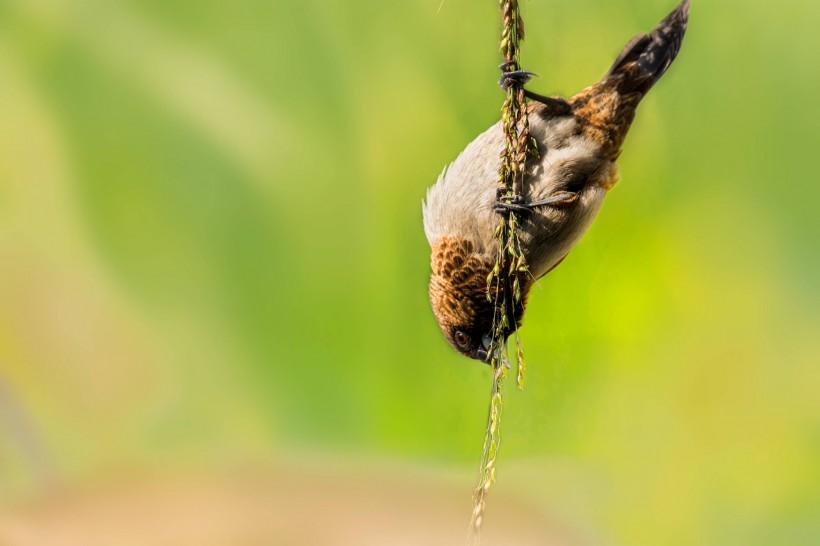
pixel 579 140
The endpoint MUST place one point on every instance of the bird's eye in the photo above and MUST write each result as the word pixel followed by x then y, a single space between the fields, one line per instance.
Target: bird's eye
pixel 462 340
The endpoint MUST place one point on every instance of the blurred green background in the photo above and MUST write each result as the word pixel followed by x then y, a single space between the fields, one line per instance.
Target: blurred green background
pixel 211 252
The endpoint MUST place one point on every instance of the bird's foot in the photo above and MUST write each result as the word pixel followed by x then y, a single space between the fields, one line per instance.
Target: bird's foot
pixel 516 203
pixel 511 203
pixel 519 78
pixel 513 77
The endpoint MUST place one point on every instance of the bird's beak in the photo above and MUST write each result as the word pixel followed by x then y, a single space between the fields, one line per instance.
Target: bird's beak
pixel 484 352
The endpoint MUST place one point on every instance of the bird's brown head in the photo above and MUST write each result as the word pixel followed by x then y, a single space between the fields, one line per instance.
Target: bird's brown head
pixel 458 294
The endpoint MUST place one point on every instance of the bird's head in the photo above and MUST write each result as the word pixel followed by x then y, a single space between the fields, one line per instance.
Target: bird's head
pixel 458 294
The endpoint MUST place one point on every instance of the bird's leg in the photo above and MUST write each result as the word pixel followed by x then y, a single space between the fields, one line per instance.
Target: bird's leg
pixel 520 78
pixel 556 199
pixel 557 105
pixel 517 203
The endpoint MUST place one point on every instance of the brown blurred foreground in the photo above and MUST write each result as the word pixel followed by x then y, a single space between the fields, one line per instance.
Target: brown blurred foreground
pixel 285 507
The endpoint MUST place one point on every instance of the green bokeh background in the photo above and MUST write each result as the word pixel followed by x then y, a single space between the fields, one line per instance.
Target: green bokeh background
pixel 211 250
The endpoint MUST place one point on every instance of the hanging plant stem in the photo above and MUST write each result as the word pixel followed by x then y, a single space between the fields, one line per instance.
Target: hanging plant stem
pixel 504 282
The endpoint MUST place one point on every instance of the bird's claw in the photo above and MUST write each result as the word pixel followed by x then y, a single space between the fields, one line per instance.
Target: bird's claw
pixel 519 78
pixel 517 203
pixel 513 77
pixel 511 203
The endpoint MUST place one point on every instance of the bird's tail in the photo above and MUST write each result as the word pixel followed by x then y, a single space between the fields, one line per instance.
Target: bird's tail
pixel 647 56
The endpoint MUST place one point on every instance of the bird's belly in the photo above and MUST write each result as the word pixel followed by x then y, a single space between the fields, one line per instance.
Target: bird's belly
pixel 548 235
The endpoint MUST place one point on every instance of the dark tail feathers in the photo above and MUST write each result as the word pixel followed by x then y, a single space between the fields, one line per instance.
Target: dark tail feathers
pixel 647 56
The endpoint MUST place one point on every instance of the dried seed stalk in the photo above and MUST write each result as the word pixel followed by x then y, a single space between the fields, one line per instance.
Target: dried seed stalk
pixel 504 283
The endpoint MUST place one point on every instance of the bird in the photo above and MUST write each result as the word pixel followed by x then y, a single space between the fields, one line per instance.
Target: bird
pixel 579 140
